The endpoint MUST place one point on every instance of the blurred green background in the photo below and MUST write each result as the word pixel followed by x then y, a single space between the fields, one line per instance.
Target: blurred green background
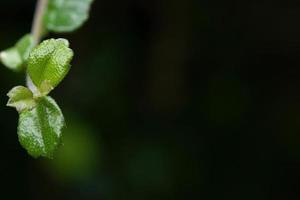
pixel 166 99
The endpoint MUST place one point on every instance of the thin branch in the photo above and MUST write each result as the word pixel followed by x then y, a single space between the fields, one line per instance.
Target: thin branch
pixel 37 25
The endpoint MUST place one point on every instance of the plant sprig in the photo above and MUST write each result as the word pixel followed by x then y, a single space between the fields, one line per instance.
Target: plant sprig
pixel 46 65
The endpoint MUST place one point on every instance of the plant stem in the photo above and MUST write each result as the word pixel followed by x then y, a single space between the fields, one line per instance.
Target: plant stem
pixel 36 32
pixel 37 25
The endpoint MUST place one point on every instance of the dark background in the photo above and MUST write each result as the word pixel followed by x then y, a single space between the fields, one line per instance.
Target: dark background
pixel 166 99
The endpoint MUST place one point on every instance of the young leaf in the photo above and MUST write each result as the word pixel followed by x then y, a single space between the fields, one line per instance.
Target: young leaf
pixel 15 57
pixel 21 98
pixel 66 15
pixel 40 129
pixel 49 63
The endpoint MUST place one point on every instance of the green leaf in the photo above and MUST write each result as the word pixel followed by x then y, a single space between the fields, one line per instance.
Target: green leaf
pixel 49 63
pixel 21 98
pixel 40 129
pixel 66 15
pixel 15 57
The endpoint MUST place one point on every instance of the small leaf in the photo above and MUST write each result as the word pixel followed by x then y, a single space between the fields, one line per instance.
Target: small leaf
pixel 21 98
pixel 66 15
pixel 45 88
pixel 49 63
pixel 40 129
pixel 15 57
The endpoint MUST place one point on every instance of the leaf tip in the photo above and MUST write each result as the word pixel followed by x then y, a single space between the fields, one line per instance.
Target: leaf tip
pixel 63 41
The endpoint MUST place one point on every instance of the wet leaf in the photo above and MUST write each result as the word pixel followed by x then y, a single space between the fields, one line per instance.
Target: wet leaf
pixel 40 129
pixel 49 63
